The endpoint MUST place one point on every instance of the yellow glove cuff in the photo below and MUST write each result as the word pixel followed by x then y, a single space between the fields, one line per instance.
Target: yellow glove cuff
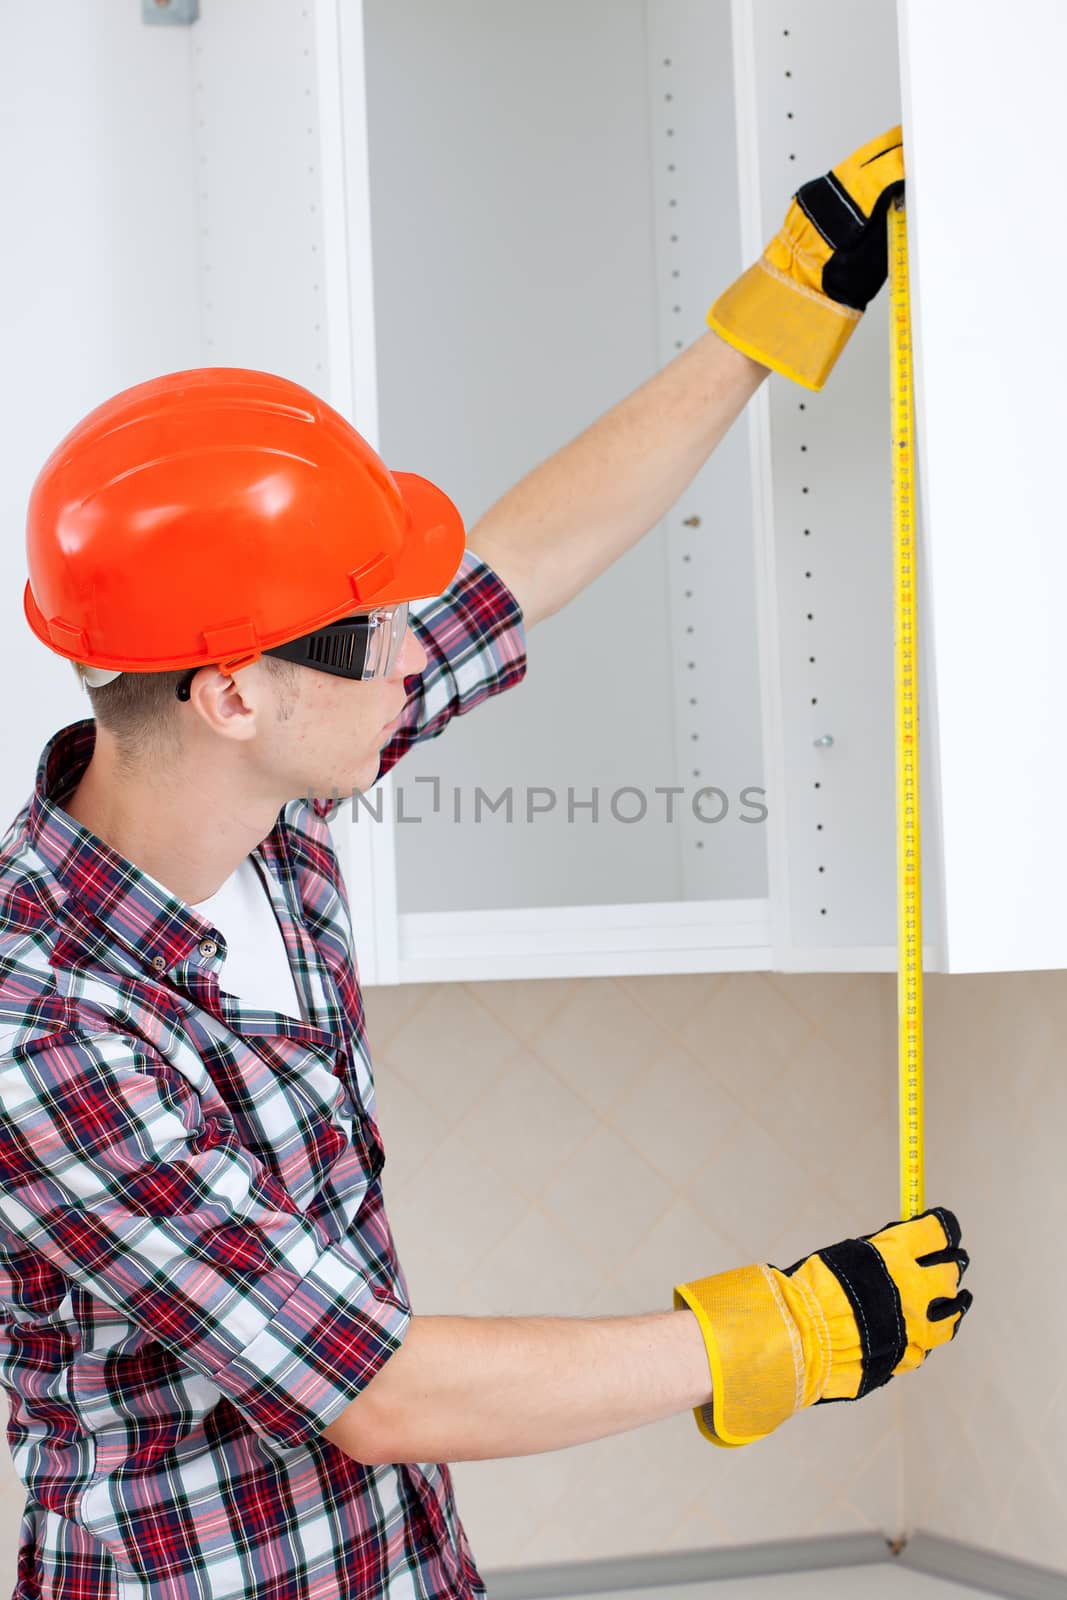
pixel 769 1348
pixel 776 317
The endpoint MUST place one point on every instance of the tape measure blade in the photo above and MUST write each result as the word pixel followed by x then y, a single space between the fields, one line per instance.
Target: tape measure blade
pixel 906 723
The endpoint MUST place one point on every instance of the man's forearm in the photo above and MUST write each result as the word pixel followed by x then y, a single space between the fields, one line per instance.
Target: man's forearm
pixel 572 516
pixel 475 1388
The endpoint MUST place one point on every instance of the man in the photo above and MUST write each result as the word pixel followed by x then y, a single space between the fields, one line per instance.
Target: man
pixel 216 1384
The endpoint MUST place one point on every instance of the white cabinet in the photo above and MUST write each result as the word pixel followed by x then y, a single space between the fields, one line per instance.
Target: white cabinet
pixel 556 193
pixel 473 226
pixel 527 232
pixel 991 353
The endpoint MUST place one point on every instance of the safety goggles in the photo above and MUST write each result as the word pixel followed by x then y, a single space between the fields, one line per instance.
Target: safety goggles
pixel 364 646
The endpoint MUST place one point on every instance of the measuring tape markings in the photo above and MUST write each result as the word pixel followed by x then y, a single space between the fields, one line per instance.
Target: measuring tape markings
pixel 906 685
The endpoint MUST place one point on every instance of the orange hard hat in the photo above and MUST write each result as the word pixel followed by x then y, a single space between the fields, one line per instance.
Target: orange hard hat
pixel 205 516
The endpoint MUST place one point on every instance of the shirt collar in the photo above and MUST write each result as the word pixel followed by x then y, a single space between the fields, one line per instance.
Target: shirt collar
pixel 127 906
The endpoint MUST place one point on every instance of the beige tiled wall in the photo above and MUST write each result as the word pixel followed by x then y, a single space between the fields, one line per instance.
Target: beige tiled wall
pixel 595 1141
pixel 986 1447
pixel 576 1148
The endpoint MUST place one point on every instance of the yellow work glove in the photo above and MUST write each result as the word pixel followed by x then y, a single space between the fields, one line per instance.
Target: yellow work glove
pixel 833 1326
pixel 797 307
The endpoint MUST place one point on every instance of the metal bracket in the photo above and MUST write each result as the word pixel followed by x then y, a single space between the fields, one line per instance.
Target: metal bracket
pixel 170 11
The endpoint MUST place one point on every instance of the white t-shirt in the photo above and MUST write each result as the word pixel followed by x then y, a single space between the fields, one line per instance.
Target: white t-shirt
pixel 256 968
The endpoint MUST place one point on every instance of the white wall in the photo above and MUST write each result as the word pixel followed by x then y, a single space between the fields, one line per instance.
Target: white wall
pixel 166 187
pixel 97 279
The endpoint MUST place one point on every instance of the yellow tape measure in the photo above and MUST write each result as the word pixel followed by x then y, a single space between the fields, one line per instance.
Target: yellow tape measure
pixel 906 698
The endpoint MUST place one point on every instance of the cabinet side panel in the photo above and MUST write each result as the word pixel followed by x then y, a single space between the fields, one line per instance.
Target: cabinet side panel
pixel 722 826
pixel 259 189
pixel 991 415
pixel 830 472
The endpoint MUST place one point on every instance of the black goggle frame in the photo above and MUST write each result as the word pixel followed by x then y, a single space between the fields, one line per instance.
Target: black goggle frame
pixel 341 648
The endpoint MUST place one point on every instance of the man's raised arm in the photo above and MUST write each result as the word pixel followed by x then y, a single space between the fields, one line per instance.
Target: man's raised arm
pixel 793 311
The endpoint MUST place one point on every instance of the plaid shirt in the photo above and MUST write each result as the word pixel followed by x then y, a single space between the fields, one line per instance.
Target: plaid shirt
pixel 197 1274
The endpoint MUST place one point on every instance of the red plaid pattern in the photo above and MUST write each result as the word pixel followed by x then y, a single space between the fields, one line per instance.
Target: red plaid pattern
pixel 197 1274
